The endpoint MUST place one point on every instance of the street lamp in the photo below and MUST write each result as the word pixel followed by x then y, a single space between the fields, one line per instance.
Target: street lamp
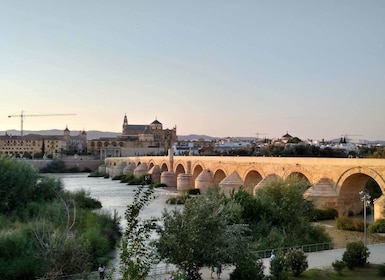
pixel 365 198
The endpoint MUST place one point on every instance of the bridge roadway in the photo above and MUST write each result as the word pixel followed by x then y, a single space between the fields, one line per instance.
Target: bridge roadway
pixel 334 182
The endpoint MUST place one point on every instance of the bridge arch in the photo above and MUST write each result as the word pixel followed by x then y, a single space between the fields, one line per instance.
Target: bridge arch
pixel 196 170
pixel 164 167
pixel 219 175
pixel 299 171
pixel 252 178
pixel 300 176
pixel 180 168
pixel 363 171
pixel 350 184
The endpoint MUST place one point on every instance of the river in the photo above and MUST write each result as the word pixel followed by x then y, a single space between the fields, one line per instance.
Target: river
pixel 116 196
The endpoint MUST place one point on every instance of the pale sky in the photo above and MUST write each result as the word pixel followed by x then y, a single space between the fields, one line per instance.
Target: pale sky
pixel 315 69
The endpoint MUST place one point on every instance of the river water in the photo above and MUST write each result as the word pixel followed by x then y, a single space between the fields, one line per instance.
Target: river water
pixel 116 196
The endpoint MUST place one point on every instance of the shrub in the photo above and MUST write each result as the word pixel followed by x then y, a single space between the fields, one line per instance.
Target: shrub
pixel 377 226
pixel 381 270
pixel 328 214
pixel 338 266
pixel 278 268
pixel 346 223
pixel 194 191
pixel 355 255
pixel 296 261
pixel 248 270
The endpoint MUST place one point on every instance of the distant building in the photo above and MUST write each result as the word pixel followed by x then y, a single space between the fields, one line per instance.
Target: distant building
pixel 32 145
pixel 136 139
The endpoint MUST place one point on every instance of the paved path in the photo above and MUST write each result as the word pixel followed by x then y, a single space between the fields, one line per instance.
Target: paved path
pixel 322 259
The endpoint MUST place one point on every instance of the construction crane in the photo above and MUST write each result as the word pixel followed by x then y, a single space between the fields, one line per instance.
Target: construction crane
pixel 22 116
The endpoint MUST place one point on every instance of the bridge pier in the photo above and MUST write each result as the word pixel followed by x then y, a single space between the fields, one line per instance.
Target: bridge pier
pixel 335 182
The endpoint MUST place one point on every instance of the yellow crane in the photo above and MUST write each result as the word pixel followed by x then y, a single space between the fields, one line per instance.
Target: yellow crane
pixel 22 116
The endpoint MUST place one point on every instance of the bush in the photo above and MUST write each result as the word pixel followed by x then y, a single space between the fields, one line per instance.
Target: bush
pixel 377 226
pixel 381 270
pixel 346 223
pixel 278 268
pixel 355 255
pixel 328 214
pixel 338 266
pixel 250 270
pixel 296 261
pixel 194 191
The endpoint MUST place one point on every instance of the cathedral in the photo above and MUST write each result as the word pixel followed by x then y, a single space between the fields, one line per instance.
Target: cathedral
pixel 148 132
pixel 136 139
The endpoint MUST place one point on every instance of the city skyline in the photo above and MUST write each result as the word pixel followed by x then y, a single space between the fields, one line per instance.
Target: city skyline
pixel 314 69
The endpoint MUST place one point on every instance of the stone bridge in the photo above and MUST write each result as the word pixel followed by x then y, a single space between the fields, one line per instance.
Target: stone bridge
pixel 334 182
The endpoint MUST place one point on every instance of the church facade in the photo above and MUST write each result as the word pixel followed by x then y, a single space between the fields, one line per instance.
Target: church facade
pixel 136 139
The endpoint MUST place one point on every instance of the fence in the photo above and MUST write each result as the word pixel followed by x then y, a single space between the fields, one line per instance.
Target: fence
pixel 306 248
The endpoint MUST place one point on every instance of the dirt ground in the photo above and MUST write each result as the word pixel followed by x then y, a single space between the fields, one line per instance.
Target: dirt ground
pixel 342 237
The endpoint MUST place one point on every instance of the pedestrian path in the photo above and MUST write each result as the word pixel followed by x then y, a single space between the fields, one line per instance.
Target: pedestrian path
pixel 323 259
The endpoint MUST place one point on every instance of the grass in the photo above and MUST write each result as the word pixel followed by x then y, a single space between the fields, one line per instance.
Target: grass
pixel 369 272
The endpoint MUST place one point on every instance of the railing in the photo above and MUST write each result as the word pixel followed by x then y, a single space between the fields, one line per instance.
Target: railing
pixel 318 247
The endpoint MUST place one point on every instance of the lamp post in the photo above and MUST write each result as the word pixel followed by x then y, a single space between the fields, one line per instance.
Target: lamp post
pixel 365 198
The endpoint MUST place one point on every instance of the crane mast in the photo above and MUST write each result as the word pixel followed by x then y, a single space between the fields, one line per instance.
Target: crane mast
pixel 22 116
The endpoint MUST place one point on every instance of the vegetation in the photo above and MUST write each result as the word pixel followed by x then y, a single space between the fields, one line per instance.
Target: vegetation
pixel 184 239
pixel 347 223
pixel 138 254
pixel 377 226
pixel 296 261
pixel 46 231
pixel 355 255
pixel 279 216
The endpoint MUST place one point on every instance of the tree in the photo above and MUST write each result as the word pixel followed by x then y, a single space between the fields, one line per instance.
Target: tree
pixel 17 183
pixel 138 253
pixel 279 216
pixel 204 233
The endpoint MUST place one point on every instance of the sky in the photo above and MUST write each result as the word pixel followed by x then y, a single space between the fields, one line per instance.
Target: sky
pixel 314 69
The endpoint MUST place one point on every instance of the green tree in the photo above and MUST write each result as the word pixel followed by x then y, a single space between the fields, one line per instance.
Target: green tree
pixel 17 183
pixel 204 233
pixel 138 253
pixel 279 216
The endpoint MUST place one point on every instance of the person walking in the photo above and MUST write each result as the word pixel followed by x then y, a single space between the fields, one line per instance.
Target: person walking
pixel 101 270
pixel 219 271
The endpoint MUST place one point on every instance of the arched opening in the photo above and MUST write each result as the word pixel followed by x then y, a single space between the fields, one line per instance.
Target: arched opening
pixel 349 199
pixel 164 167
pixel 219 175
pixel 197 170
pixel 252 179
pixel 179 169
pixel 299 176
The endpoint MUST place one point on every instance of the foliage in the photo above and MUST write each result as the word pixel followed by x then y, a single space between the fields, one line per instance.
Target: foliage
pixel 377 226
pixel 17 253
pixel 55 166
pixel 381 270
pixel 248 270
pixel 278 268
pixel 355 255
pixel 131 179
pixel 138 254
pixel 296 261
pixel 352 224
pixel 325 214
pixel 46 231
pixel 338 266
pixel 279 216
pixel 17 184
pixel 184 234
pixel 178 275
